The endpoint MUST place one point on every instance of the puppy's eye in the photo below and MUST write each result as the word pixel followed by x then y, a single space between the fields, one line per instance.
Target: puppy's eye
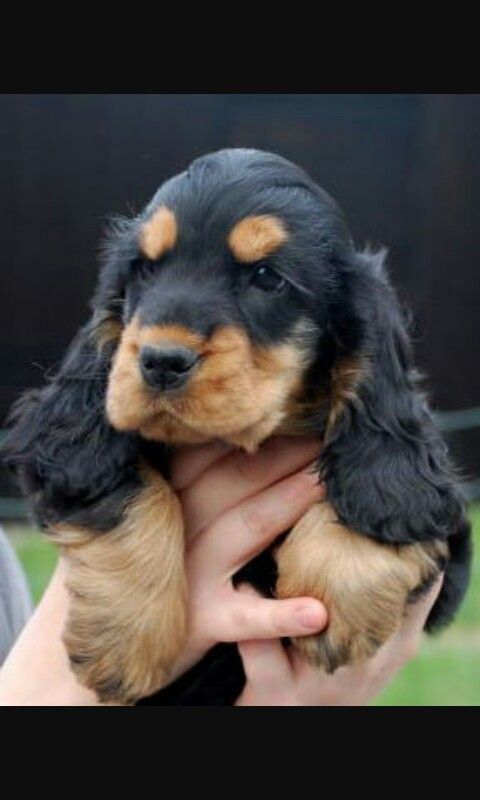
pixel 267 279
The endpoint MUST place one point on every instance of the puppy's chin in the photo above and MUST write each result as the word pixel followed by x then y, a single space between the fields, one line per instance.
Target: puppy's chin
pixel 167 426
pixel 164 427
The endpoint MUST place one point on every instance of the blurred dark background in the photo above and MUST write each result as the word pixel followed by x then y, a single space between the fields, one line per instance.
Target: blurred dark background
pixel 405 169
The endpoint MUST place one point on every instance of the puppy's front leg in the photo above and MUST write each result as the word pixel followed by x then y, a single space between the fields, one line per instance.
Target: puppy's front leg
pixel 364 584
pixel 127 615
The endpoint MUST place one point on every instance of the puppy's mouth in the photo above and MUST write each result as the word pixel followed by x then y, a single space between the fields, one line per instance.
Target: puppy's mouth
pixel 170 384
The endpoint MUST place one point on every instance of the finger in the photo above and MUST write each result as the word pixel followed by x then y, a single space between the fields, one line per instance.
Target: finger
pixel 265 662
pixel 255 523
pixel 189 461
pixel 240 475
pixel 248 589
pixel 253 618
pixel 267 670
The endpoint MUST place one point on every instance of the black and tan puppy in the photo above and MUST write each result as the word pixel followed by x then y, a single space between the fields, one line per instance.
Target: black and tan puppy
pixel 235 307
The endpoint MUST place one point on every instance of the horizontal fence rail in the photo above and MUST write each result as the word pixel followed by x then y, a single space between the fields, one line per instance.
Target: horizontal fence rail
pixel 461 420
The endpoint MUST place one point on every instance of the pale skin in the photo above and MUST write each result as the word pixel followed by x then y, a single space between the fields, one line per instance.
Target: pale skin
pixel 235 505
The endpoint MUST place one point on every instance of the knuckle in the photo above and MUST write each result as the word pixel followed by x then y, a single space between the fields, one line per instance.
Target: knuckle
pixel 298 491
pixel 278 620
pixel 239 618
pixel 255 520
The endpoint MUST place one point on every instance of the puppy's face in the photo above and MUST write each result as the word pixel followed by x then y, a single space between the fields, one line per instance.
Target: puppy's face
pixel 227 284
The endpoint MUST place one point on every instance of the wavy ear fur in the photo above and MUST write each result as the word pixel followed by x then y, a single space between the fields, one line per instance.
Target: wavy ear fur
pixel 386 466
pixel 71 463
pixel 69 460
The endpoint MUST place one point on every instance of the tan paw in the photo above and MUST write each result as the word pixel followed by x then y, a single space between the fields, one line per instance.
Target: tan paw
pixel 365 585
pixel 127 616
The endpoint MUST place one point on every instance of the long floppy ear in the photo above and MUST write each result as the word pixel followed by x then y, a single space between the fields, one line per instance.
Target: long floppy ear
pixel 69 460
pixel 385 464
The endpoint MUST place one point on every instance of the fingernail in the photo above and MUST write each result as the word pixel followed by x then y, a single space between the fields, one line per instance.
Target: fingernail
pixel 311 616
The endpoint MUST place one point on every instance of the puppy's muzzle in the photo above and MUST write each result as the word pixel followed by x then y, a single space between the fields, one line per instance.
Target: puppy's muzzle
pixel 167 366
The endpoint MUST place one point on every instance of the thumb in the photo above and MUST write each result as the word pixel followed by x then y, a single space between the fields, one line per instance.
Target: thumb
pixel 248 616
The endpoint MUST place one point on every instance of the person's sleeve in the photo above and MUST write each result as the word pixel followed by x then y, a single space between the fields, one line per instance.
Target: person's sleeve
pixel 15 599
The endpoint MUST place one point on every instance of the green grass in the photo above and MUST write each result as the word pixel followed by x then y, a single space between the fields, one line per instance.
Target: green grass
pixel 37 554
pixel 445 672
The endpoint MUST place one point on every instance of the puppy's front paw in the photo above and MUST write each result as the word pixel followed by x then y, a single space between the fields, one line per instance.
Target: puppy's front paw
pixel 127 615
pixel 121 662
pixel 364 584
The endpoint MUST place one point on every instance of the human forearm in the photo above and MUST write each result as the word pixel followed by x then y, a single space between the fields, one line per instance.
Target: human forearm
pixel 37 671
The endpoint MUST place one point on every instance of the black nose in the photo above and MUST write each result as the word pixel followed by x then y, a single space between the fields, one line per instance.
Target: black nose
pixel 167 367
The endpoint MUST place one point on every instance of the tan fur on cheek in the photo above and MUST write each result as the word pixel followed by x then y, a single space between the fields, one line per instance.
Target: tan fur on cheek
pixel 159 234
pixel 239 392
pixel 127 614
pixel 256 237
pixel 127 401
pixel 365 585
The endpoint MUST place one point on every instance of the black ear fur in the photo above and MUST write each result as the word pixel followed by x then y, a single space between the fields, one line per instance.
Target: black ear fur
pixel 71 463
pixel 385 464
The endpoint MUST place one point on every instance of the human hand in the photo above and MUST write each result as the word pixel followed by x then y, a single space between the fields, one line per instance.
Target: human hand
pixel 235 505
pixel 277 677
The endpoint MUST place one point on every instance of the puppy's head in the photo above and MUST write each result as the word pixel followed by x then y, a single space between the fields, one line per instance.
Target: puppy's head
pixel 239 307
pixel 222 296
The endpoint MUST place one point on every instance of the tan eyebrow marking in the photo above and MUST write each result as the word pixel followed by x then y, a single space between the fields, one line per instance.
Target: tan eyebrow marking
pixel 256 237
pixel 159 233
